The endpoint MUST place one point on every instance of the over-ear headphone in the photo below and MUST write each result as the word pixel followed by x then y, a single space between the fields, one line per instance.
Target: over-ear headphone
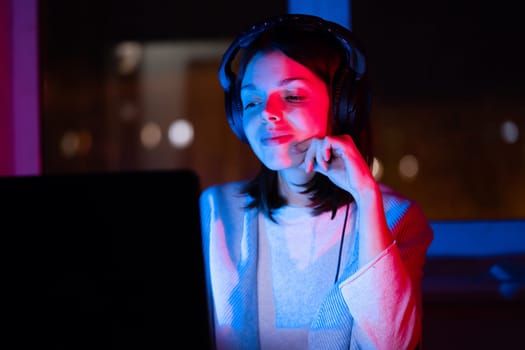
pixel 350 91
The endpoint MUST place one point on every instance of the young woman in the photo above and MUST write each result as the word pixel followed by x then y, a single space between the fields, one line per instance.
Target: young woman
pixel 312 253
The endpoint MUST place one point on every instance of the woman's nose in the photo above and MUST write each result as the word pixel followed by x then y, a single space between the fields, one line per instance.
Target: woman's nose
pixel 270 116
pixel 273 109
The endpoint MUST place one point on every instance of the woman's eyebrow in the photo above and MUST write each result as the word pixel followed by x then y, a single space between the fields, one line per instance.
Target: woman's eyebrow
pixel 291 80
pixel 281 83
pixel 248 87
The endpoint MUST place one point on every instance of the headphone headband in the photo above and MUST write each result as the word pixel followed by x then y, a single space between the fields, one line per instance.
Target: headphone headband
pixel 356 57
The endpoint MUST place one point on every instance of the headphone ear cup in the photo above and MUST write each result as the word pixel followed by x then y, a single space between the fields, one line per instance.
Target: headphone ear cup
pixel 351 102
pixel 227 79
pixel 343 101
pixel 352 110
pixel 233 107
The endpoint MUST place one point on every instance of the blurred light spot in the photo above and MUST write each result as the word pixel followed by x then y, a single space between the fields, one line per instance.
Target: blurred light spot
pixel 85 142
pixel 180 133
pixel 128 111
pixel 69 144
pixel 509 132
pixel 129 55
pixel 377 169
pixel 408 167
pixel 150 135
pixel 76 143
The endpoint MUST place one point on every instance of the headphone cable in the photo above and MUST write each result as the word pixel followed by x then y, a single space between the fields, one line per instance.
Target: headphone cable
pixel 341 244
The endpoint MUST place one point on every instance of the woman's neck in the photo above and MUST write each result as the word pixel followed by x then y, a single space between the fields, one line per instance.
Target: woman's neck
pixel 290 186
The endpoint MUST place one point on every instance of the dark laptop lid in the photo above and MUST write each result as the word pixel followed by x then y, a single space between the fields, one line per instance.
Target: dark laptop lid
pixel 106 260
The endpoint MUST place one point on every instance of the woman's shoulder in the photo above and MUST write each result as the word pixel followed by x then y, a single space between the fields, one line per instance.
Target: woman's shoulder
pixel 405 217
pixel 226 200
pixel 392 198
pixel 390 193
pixel 398 205
pixel 232 187
pixel 227 191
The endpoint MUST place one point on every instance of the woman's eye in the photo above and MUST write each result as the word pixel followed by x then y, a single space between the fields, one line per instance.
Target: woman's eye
pixel 249 105
pixel 250 100
pixel 295 98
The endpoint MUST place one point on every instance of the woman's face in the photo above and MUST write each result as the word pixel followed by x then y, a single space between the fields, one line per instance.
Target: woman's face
pixel 284 104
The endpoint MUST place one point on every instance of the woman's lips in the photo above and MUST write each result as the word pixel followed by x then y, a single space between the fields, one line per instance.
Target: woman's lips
pixel 274 140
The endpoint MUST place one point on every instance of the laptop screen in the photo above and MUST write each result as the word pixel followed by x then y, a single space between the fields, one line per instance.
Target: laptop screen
pixel 106 260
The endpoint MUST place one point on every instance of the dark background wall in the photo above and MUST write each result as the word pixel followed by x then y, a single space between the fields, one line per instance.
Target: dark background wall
pixel 458 49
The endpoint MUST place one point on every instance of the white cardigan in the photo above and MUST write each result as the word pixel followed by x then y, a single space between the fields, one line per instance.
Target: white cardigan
pixel 378 306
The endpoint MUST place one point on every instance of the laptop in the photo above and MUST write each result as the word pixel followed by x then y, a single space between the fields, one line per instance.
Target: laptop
pixel 105 260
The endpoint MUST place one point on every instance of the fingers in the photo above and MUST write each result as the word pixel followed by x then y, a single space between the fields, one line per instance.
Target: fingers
pixel 309 156
pixel 323 154
pixel 302 146
pixel 318 156
pixel 338 158
pixel 308 162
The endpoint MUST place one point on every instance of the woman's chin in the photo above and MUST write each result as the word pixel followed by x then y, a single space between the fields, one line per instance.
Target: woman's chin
pixel 282 164
pixel 276 166
pixel 282 160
